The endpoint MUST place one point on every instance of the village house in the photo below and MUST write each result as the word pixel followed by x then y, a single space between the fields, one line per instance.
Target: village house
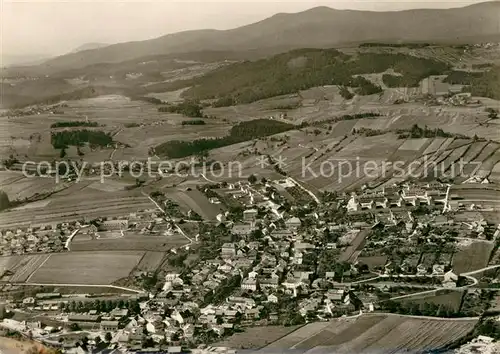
pixel 242 229
pixel 109 325
pixel 250 215
pixel 249 284
pixel 293 223
pixel 228 250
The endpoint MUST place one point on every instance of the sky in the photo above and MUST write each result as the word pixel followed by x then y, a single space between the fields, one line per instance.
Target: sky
pixel 46 28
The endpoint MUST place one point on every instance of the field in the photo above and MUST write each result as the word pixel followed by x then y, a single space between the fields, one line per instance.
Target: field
pixel 15 346
pixel 150 261
pixel 131 241
pixel 22 267
pixel 195 200
pixel 99 268
pixel 451 299
pixel 19 187
pixel 374 333
pixel 472 256
pixel 79 201
pixel 256 337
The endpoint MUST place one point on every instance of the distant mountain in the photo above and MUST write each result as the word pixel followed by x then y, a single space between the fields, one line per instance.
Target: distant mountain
pixel 16 60
pixel 319 28
pixel 89 46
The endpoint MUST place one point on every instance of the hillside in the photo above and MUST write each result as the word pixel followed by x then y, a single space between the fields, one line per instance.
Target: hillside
pixel 318 28
pixel 305 68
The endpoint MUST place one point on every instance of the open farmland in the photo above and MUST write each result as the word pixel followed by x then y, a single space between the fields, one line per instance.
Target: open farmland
pixel 472 256
pixel 99 268
pixel 374 333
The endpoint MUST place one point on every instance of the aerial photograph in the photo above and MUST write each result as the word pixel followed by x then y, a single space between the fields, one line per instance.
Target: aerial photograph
pixel 245 176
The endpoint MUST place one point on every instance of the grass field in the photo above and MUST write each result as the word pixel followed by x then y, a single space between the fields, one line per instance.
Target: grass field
pixel 373 333
pixel 98 268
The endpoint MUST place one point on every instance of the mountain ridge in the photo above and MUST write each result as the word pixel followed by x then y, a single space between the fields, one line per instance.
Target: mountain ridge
pixel 319 27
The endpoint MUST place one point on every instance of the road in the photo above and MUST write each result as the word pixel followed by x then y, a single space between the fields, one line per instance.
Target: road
pixel 70 238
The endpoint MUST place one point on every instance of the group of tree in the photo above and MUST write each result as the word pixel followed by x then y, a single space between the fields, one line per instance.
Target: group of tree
pixel 188 108
pixel 415 132
pixel 101 306
pixel 193 122
pixel 224 290
pixel 341 118
pixel 75 123
pixel 63 139
pixel 416 309
pixel 345 93
pixel 241 132
pixel 486 85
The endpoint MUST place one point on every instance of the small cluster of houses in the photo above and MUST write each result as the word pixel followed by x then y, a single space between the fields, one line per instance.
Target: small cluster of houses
pixel 399 197
pixel 35 239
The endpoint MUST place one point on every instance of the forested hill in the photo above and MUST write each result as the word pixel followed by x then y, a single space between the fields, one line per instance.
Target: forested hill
pixel 301 69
